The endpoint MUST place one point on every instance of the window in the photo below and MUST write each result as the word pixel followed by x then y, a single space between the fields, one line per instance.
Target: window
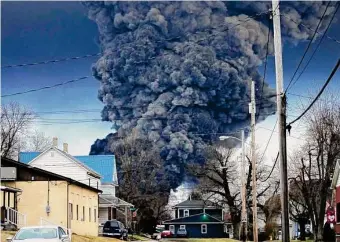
pixel 71 211
pixel 172 228
pixel 77 213
pixel 95 215
pixel 186 213
pixel 182 226
pixel 83 218
pixel 89 214
pixel 204 229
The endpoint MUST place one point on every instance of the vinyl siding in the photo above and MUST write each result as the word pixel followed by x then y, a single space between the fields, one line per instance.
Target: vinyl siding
pixel 108 189
pixel 194 230
pixel 103 215
pixel 55 162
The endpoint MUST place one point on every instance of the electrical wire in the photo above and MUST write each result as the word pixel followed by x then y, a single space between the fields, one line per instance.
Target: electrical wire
pixel 277 157
pixel 270 137
pixel 317 47
pixel 47 87
pixel 51 61
pixel 306 26
pixel 260 127
pixel 317 96
pixel 308 46
pixel 265 68
pixel 122 47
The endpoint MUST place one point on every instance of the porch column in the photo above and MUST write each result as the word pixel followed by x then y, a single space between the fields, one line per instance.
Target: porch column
pixel 109 213
pixel 15 201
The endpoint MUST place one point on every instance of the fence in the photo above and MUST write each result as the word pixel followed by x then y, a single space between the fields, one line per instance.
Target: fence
pixel 46 222
pixel 16 218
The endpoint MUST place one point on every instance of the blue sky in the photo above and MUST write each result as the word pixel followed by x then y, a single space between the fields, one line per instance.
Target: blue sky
pixel 38 31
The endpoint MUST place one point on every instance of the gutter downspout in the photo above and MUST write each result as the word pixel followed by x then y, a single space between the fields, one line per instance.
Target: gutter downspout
pixel 67 206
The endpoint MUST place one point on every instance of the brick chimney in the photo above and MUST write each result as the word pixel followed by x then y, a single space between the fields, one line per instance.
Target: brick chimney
pixel 55 142
pixel 65 147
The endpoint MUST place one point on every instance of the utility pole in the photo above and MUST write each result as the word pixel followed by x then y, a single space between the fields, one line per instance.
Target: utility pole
pixel 243 183
pixel 281 112
pixel 253 158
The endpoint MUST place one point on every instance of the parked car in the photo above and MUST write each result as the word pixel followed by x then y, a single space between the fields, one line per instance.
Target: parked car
pixel 166 234
pixel 182 233
pixel 114 228
pixel 40 234
pixel 158 231
pixel 156 236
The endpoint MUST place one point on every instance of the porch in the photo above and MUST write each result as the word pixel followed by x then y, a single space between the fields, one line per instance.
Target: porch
pixel 111 207
pixel 9 207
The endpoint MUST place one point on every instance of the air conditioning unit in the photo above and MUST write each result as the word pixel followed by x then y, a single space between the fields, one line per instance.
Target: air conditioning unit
pixel 8 173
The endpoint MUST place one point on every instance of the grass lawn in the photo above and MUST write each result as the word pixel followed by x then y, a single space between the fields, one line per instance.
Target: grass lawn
pixel 75 238
pixel 138 237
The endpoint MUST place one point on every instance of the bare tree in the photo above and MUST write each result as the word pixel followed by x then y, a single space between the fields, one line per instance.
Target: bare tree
pixel 224 183
pixel 15 122
pixel 317 159
pixel 37 141
pixel 142 179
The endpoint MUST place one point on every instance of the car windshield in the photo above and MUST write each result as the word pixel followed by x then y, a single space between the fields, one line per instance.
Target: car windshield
pixel 36 233
pixel 114 224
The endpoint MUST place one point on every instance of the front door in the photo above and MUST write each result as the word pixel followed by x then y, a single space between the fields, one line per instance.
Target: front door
pixel 172 229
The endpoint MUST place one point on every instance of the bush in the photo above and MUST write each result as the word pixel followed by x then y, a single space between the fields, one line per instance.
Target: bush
pixel 270 230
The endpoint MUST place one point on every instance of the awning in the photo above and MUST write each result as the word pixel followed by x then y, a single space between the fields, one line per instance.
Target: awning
pixel 107 200
pixel 9 189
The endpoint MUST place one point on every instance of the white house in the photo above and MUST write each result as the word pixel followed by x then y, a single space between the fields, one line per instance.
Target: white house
pixel 98 171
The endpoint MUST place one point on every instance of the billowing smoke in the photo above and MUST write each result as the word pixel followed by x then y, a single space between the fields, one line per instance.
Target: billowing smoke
pixel 179 73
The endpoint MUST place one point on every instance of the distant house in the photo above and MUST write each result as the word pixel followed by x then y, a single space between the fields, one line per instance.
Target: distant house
pixel 201 219
pixel 33 196
pixel 98 171
pixel 336 198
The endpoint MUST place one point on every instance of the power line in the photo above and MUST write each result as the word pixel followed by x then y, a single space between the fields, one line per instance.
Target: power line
pixel 277 157
pixel 265 66
pixel 51 61
pixel 99 54
pixel 308 46
pixel 306 26
pixel 319 94
pixel 270 137
pixel 317 47
pixel 260 127
pixel 47 87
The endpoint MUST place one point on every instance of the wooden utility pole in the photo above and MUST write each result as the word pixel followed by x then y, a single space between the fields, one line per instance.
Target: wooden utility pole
pixel 244 211
pixel 281 115
pixel 253 158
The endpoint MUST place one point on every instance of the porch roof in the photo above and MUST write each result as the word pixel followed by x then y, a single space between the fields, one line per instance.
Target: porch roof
pixel 9 189
pixel 107 200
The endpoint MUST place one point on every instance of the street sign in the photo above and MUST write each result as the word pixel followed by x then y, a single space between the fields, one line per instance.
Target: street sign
pixel 132 209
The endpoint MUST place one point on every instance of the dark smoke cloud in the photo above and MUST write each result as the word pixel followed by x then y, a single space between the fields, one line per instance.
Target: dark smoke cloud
pixel 172 71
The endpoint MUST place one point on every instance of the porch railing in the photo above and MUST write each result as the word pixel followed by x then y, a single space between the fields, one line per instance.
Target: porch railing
pixel 46 222
pixel 16 218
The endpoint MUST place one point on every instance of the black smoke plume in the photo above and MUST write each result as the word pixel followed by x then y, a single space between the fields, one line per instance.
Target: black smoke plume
pixel 179 73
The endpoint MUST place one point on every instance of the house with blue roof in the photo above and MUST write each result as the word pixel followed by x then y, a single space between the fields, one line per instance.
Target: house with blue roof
pixel 98 171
